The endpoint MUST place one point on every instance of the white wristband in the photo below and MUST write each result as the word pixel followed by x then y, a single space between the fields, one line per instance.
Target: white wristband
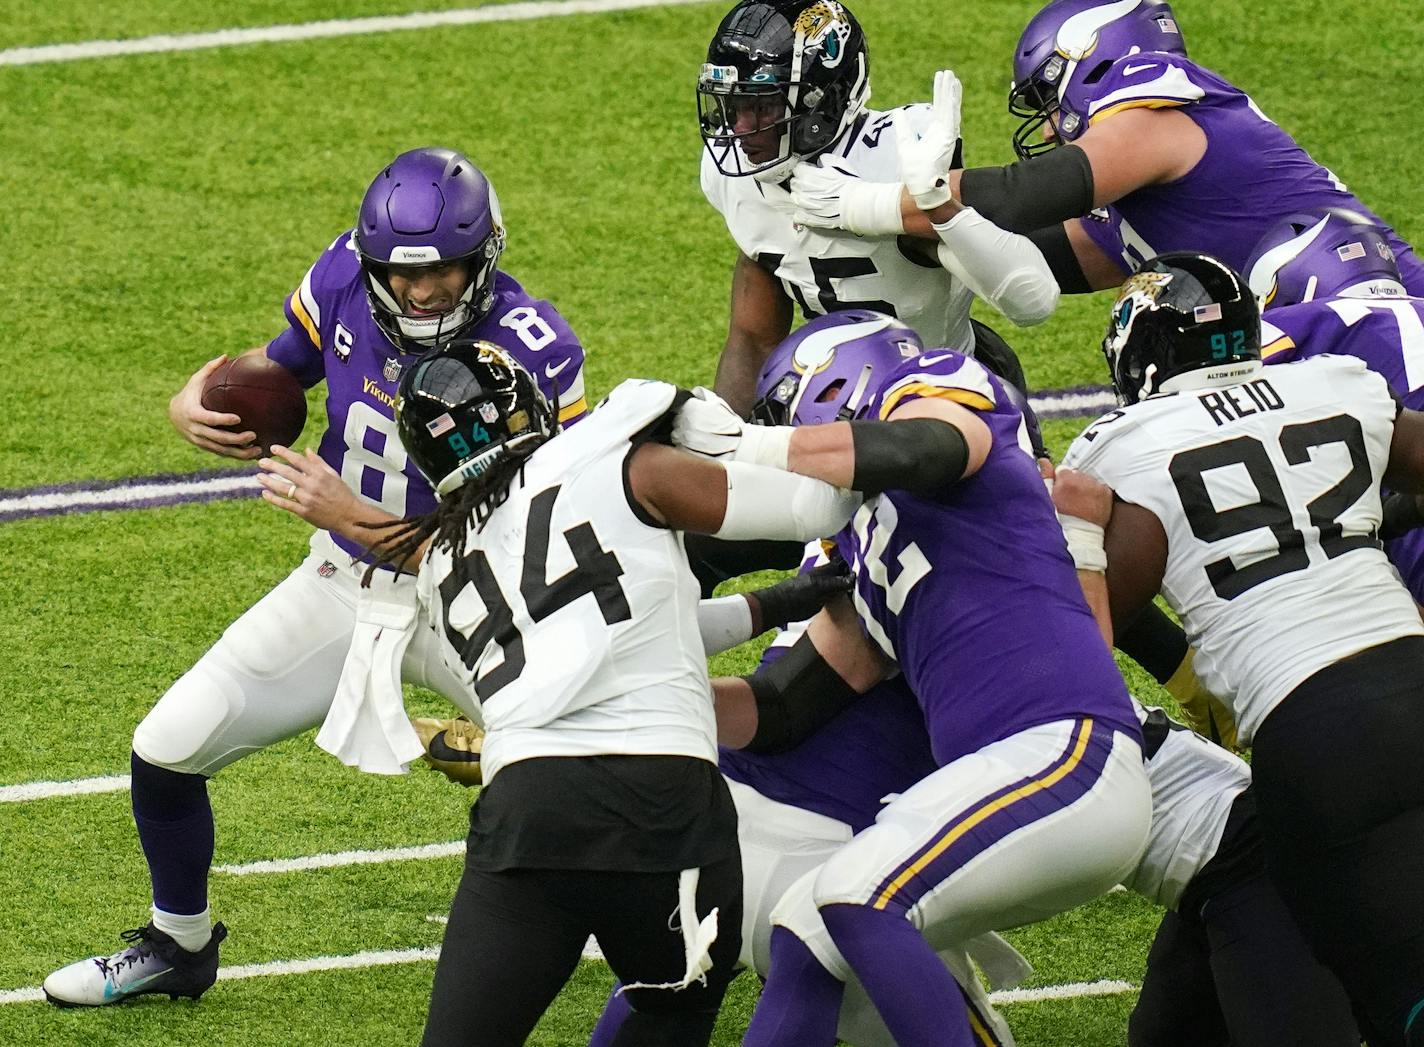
pixel 724 623
pixel 768 445
pixel 872 208
pixel 1085 543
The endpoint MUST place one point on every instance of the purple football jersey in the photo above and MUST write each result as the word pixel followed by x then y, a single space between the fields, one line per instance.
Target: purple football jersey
pixel 876 747
pixel 1252 175
pixel 332 336
pixel 1388 335
pixel 972 591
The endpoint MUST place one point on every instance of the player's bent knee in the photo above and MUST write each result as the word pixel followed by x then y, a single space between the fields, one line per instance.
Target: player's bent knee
pixel 177 731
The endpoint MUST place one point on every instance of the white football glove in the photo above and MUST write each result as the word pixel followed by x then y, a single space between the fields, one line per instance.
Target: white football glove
pixel 925 160
pixel 830 198
pixel 707 425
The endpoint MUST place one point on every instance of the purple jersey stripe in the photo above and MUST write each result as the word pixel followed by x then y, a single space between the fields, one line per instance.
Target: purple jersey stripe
pixel 976 829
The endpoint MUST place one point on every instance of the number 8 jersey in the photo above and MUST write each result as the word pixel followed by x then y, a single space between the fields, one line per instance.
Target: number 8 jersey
pixel 1268 492
pixel 332 336
pixel 571 615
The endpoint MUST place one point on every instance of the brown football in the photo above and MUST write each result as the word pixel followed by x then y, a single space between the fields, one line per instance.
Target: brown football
pixel 264 394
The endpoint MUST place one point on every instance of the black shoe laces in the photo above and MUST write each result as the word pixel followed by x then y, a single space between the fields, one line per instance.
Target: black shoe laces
pixel 140 949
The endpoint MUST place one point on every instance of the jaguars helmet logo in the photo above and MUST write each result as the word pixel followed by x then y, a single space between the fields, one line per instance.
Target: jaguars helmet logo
pixel 823 26
pixel 1138 295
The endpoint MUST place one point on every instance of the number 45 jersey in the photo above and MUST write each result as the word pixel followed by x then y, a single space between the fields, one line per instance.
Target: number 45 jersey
pixel 571 615
pixel 1268 492
pixel 332 336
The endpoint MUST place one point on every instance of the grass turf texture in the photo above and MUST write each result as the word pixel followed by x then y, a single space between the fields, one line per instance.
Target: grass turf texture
pixel 165 205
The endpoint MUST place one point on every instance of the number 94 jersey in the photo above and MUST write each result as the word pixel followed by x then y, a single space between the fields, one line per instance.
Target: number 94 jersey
pixel 571 616
pixel 1268 492
pixel 826 271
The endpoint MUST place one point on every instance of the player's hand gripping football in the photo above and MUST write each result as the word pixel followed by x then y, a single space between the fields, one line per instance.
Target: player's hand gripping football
pixel 925 158
pixel 199 426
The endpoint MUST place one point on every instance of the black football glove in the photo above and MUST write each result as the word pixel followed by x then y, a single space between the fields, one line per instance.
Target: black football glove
pixel 801 596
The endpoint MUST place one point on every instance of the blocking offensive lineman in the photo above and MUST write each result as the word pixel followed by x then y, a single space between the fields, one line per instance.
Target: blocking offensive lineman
pixel 1251 500
pixel 420 266
pixel 787 81
pixel 553 571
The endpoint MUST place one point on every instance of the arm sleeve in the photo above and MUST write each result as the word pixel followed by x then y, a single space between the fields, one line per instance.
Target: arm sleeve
pixel 1004 269
pixel 795 695
pixel 769 503
pixel 1057 250
pixel 1030 194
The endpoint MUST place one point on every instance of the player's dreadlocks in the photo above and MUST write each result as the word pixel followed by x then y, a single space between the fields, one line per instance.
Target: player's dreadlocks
pixel 447 525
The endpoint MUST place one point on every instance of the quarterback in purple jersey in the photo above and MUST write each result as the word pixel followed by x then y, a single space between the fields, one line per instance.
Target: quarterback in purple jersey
pixel 1040 800
pixel 420 267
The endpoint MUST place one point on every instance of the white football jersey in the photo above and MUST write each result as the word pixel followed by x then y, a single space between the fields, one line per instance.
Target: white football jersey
pixel 825 270
pixel 1194 783
pixel 1268 491
pixel 571 618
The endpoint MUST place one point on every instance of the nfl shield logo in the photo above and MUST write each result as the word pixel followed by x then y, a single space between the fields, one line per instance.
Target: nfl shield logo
pixel 327 569
pixel 489 413
pixel 391 371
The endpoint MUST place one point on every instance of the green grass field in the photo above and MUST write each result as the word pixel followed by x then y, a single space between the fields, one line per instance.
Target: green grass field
pixel 156 209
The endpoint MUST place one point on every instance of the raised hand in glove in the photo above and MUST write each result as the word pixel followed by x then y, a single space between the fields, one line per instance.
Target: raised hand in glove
pixel 925 158
pixel 802 595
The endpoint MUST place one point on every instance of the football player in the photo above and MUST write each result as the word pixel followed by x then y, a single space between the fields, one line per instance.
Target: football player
pixel 1039 800
pixel 1123 117
pixel 1251 500
pixel 570 620
pixel 420 266
pixel 787 82
pixel 1328 283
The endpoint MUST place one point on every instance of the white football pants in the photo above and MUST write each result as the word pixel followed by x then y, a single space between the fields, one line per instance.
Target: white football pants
pixel 273 674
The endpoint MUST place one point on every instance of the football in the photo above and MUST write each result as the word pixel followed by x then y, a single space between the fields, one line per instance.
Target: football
pixel 264 394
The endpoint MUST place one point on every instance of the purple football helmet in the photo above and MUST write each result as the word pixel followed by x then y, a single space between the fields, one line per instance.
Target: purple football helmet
pixel 1321 254
pixel 827 370
pixel 429 207
pixel 1067 47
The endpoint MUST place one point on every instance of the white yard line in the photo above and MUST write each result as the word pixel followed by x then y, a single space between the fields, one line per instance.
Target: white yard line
pixel 1106 987
pixel 342 858
pixel 77 787
pixel 276 34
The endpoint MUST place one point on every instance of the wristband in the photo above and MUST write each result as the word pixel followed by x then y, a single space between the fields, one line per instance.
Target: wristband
pixel 1085 543
pixel 768 445
pixel 872 208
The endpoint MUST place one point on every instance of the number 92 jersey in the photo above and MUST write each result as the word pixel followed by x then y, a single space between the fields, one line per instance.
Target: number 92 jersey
pixel 826 270
pixel 331 335
pixel 571 615
pixel 1268 492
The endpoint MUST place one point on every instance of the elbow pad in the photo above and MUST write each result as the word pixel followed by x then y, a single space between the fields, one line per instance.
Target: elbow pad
pixel 796 695
pixel 1024 196
pixel 919 455
pixel 769 503
pixel 1004 269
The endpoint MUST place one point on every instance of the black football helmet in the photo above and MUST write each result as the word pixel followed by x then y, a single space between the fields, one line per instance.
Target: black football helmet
pixel 782 82
pixel 467 410
pixel 1182 321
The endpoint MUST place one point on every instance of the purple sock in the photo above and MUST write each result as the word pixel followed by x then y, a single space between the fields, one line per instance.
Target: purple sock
pixel 917 997
pixel 611 1020
pixel 175 829
pixel 801 1002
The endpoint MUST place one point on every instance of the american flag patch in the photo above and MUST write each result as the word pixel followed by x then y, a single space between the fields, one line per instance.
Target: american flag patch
pixel 1349 252
pixel 1168 25
pixel 1206 313
pixel 440 425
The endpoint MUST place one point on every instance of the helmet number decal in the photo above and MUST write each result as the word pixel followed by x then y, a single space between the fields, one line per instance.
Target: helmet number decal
pixel 532 329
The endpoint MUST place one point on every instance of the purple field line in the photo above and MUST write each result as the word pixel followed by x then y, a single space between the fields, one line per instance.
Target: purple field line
pixel 213 485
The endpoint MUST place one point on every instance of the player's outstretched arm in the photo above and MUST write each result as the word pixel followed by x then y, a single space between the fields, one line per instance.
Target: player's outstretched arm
pixel 200 427
pixel 786 701
pixel 733 500
pixel 760 319
pixel 727 621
